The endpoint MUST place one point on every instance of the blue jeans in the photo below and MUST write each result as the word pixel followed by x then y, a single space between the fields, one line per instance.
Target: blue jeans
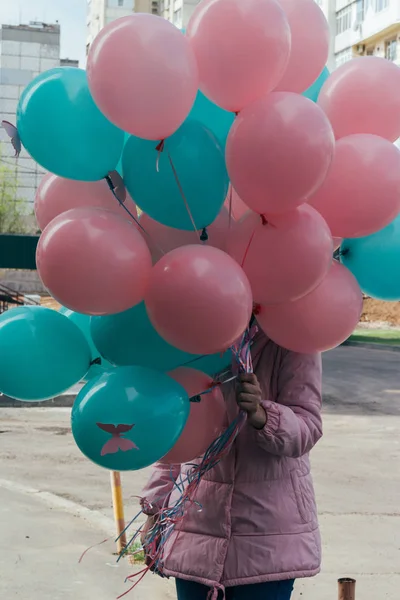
pixel 274 590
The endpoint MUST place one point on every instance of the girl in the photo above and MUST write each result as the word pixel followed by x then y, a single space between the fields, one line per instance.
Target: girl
pixel 257 530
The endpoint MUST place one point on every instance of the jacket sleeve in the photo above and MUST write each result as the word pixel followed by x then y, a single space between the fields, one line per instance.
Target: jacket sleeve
pixel 159 487
pixel 294 423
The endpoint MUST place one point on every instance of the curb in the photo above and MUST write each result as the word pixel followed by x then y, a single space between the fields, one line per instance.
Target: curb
pixel 65 401
pixel 372 346
pixel 92 517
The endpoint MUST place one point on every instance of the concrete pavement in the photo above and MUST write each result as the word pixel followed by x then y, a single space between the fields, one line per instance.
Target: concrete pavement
pixel 355 469
pixel 40 548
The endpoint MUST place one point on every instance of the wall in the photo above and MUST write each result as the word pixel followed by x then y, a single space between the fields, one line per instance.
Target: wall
pixel 377 21
pixel 372 24
pixel 350 36
pixel 103 12
pixel 24 53
pixel 178 11
pixel 95 19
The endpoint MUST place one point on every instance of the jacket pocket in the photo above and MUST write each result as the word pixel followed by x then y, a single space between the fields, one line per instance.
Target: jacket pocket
pixel 303 503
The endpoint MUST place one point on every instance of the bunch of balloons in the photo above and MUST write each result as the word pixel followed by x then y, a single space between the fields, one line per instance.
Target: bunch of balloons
pixel 249 163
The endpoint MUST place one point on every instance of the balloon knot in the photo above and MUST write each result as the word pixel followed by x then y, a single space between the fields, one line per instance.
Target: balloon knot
pixel 195 399
pixel 256 309
pixel 110 182
pixel 264 220
pixel 204 235
pixel 96 361
pixel 160 146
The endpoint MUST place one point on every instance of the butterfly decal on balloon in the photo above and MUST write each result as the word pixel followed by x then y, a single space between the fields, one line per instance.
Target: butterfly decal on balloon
pixel 117 442
pixel 12 132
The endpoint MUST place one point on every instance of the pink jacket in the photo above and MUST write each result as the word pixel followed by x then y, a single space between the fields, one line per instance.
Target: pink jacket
pixel 259 519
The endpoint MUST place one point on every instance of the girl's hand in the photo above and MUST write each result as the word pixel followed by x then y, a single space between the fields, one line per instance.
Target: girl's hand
pixel 248 397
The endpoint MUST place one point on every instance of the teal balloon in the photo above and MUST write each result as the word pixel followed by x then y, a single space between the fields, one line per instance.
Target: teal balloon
pixel 212 364
pixel 83 322
pixel 198 171
pixel 130 418
pixel 216 119
pixel 62 128
pixel 129 338
pixel 313 91
pixel 375 262
pixel 42 354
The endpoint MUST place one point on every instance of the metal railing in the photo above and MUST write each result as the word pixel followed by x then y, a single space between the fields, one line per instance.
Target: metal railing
pixel 9 297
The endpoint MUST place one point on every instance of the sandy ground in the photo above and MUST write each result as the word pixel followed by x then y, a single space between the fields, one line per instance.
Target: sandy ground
pixel 376 311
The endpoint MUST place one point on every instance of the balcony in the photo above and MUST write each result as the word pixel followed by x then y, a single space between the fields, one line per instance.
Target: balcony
pixel 385 44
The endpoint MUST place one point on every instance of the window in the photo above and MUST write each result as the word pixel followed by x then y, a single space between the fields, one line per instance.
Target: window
pixel 116 3
pixel 343 56
pixel 119 3
pixel 343 20
pixel 391 50
pixel 381 5
pixel 360 11
pixel 178 18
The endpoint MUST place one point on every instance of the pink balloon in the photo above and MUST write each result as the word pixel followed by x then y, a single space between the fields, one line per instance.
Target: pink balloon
pixel 278 152
pixel 242 49
pixel 143 75
pixel 361 193
pixel 363 96
pixel 284 258
pixel 337 242
pixel 162 239
pixel 310 44
pixel 239 208
pixel 199 299
pixel 94 262
pixel 207 418
pixel 56 195
pixel 319 321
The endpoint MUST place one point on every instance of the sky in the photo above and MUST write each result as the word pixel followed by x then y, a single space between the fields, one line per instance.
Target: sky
pixel 71 15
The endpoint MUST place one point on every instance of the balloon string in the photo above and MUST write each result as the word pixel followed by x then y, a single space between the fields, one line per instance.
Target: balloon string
pixel 160 148
pixel 215 384
pixel 263 222
pixel 230 205
pixel 248 247
pixel 112 188
pixel 230 211
pixel 170 518
pixel 182 193
pixel 91 548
